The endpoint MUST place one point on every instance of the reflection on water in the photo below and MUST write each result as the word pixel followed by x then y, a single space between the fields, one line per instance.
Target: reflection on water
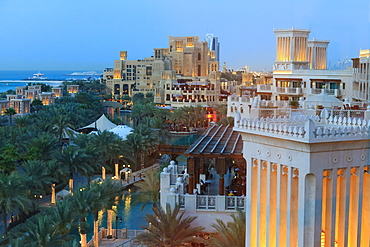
pixel 127 209
pixel 132 216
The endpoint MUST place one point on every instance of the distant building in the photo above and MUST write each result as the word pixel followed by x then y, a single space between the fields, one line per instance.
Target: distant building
pixel 184 74
pixel 21 101
pixel 213 45
pixel 300 69
pixel 361 76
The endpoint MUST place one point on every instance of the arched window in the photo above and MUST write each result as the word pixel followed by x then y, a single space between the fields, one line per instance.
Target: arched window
pixel 199 56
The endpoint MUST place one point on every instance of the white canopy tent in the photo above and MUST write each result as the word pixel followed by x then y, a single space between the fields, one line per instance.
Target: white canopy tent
pixel 324 100
pixel 62 194
pixel 125 170
pixel 103 123
pixel 122 131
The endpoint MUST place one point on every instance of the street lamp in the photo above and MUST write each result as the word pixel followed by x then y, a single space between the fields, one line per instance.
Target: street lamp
pixel 120 221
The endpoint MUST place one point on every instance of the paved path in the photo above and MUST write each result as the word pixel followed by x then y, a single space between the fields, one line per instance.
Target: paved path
pixel 138 175
pixel 116 243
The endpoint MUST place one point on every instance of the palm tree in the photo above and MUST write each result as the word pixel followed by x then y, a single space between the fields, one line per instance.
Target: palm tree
pixel 231 233
pixel 13 195
pixel 140 111
pixel 63 215
pixel 38 179
pixel 148 189
pixel 84 202
pixel 199 115
pixel 60 124
pixel 108 191
pixel 77 162
pixel 22 121
pixel 10 112
pixel 40 146
pixel 108 145
pixel 90 200
pixel 8 158
pixel 42 231
pixel 142 142
pixel 169 228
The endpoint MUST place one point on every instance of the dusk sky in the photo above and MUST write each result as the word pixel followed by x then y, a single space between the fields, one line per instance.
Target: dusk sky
pixel 88 34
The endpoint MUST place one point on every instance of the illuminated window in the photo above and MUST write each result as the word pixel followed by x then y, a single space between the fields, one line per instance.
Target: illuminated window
pixel 178 46
pixel 189 42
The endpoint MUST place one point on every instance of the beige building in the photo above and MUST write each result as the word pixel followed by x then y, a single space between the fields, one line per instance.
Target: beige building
pixel 128 77
pixel 300 69
pixel 190 57
pixel 171 75
pixel 58 91
pixel 21 101
pixel 47 98
pixel 72 89
pixel 361 76
pixel 190 91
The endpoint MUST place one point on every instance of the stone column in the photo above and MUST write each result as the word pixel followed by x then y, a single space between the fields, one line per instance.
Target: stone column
pixel 191 168
pixel 103 176
pixel 71 185
pixel 53 194
pixel 221 167
pixel 116 169
pixel 109 222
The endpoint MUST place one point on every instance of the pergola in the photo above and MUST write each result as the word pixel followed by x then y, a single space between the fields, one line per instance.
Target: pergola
pixel 220 144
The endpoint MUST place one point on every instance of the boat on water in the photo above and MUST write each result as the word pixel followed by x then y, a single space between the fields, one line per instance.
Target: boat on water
pixel 37 77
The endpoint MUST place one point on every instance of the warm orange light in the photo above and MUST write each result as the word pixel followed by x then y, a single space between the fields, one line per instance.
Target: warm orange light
pixel 209 115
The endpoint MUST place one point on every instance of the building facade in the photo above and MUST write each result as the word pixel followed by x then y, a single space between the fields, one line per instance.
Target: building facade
pixel 361 76
pixel 307 181
pixel 300 69
pixel 187 68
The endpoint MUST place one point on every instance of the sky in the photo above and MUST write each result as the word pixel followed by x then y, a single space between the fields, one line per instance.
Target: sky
pixel 88 34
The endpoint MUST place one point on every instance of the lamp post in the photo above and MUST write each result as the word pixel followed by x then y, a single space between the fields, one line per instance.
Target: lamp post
pixel 120 221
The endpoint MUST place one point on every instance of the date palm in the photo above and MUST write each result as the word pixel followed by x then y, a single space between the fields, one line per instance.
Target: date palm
pixel 41 146
pixel 63 215
pixel 108 145
pixel 230 234
pixel 38 179
pixel 13 195
pixel 108 191
pixel 77 162
pixel 90 200
pixel 140 111
pixel 169 228
pixel 42 231
pixel 148 189
pixel 10 112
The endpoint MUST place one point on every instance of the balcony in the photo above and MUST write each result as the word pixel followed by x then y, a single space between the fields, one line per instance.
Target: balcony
pixel 212 202
pixel 263 88
pixel 359 95
pixel 334 92
pixel 289 90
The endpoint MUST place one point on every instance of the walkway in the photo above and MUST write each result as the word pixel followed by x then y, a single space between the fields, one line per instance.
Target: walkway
pixel 138 175
pixel 116 243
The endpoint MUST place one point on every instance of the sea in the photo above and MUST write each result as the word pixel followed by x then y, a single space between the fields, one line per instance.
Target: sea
pixel 10 79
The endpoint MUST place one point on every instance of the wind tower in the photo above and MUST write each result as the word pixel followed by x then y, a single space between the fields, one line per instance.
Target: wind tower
pixel 317 53
pixel 291 49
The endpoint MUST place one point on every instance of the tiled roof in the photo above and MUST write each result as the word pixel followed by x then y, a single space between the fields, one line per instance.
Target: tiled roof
pixel 217 141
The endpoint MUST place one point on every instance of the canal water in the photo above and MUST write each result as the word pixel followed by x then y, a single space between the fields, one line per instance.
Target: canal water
pixel 132 216
pixel 170 139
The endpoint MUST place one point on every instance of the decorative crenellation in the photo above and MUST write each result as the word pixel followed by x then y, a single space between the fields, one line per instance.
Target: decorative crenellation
pixel 344 121
pixel 309 127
